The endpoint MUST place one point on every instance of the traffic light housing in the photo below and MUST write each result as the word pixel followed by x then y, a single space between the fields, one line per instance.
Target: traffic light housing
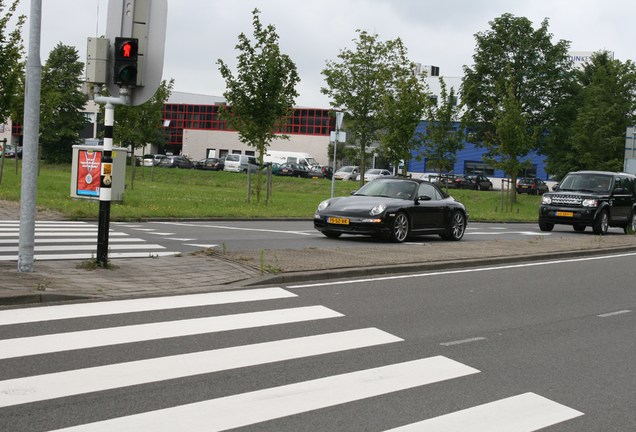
pixel 126 57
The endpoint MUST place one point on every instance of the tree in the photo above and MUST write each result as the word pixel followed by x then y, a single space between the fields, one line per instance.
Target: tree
pixel 12 69
pixel 263 91
pixel 606 106
pixel 443 137
pixel 357 86
pixel 515 67
pixel 62 104
pixel 136 126
pixel 403 103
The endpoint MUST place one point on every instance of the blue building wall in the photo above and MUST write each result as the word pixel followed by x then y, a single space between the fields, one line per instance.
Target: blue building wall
pixel 474 154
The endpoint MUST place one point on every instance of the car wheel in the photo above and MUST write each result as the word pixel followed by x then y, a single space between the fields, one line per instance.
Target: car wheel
pixel 457 227
pixel 579 228
pixel 601 224
pixel 332 234
pixel 545 226
pixel 399 228
pixel 630 228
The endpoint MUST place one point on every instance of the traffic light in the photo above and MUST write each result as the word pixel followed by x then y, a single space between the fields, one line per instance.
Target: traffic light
pixel 126 50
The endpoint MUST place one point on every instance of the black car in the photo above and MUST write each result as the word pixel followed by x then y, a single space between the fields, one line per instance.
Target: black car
pixel 393 207
pixel 531 186
pixel 175 162
pixel 474 181
pixel 210 164
pixel 294 170
pixel 599 199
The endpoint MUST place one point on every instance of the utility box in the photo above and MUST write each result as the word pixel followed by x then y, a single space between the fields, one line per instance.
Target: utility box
pixel 86 172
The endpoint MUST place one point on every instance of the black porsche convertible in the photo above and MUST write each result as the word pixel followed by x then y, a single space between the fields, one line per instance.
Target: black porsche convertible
pixel 395 208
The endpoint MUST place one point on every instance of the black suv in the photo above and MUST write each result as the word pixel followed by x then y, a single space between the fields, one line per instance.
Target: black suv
pixel 599 199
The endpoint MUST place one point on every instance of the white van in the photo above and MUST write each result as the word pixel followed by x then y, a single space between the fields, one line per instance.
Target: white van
pixel 240 163
pixel 281 157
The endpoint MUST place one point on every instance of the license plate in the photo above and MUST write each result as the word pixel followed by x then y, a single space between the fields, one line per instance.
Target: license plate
pixel 338 221
pixel 564 214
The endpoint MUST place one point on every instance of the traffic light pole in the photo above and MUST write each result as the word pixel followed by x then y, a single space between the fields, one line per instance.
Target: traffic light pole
pixel 106 175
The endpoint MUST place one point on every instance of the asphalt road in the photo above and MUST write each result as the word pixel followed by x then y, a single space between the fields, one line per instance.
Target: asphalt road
pixel 550 344
pixel 186 236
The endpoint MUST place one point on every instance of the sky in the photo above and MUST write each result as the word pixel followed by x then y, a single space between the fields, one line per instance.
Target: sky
pixel 440 33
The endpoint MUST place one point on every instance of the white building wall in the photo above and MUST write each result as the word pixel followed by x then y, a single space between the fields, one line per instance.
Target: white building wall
pixel 196 142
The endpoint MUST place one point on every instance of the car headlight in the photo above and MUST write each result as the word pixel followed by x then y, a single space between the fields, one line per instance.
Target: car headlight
pixel 323 205
pixel 379 209
pixel 546 200
pixel 589 202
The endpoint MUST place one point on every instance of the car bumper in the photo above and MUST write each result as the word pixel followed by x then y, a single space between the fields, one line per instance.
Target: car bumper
pixel 356 225
pixel 568 215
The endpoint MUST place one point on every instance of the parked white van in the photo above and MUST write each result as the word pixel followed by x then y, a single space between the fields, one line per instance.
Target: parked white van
pixel 281 157
pixel 240 163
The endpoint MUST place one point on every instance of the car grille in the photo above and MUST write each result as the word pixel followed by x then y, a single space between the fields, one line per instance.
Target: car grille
pixel 571 200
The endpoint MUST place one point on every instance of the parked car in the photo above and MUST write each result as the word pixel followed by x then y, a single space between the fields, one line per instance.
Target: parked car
pixel 176 162
pixel 374 173
pixel 531 186
pixel 347 173
pixel 325 171
pixel 393 207
pixel 9 151
pixel 149 160
pixel 599 199
pixel 447 181
pixel 210 164
pixel 293 170
pixel 240 163
pixel 474 181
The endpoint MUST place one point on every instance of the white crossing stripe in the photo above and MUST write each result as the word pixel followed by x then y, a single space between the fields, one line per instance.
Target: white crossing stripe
pixel 86 255
pixel 66 311
pixel 267 404
pixel 10 348
pixel 55 385
pixel 111 246
pixel 523 413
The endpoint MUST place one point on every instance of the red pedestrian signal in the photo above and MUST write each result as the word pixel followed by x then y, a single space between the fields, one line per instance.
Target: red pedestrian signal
pixel 125 70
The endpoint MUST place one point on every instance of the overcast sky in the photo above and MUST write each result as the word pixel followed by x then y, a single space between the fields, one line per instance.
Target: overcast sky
pixel 439 33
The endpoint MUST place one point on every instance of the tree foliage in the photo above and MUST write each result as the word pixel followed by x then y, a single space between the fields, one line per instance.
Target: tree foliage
pixel 11 62
pixel 405 98
pixel 357 86
pixel 62 104
pixel 605 106
pixel 516 69
pixel 263 91
pixel 443 137
pixel 137 126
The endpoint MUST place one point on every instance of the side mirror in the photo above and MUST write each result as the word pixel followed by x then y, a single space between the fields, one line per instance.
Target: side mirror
pixel 555 187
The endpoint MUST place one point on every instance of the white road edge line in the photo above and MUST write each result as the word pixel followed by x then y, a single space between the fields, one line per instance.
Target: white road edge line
pixel 610 314
pixel 463 341
pixel 471 270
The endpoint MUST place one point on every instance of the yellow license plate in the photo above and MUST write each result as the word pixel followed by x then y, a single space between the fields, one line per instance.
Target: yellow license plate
pixel 565 214
pixel 338 221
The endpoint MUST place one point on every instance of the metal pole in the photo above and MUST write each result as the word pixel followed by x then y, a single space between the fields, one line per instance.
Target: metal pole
pixel 29 185
pixel 105 191
pixel 339 116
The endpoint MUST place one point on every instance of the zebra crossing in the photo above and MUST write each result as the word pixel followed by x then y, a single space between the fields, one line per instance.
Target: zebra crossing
pixel 64 240
pixel 30 337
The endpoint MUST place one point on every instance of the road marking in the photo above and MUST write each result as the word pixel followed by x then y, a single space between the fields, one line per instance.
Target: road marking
pixel 34 345
pixel 62 384
pixel 239 228
pixel 90 239
pixel 84 256
pixel 272 403
pixel 470 270
pixel 92 309
pixel 74 233
pixel 204 246
pixel 609 314
pixel 463 341
pixel 61 248
pixel 523 413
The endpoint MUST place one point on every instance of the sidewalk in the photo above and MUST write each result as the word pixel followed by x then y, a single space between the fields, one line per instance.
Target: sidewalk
pixel 211 270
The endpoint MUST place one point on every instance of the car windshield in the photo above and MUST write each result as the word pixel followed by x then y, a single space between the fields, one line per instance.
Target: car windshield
pixel 403 189
pixel 586 182
pixel 346 169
